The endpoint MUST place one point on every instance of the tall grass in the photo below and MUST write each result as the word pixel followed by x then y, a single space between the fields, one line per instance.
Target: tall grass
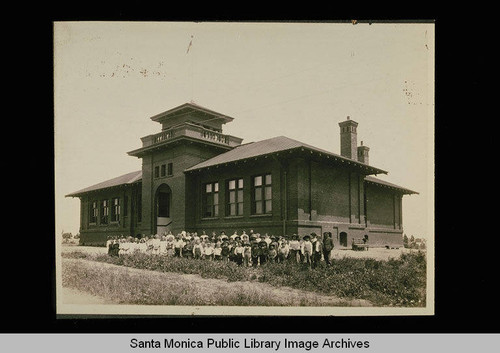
pixel 396 282
pixel 122 286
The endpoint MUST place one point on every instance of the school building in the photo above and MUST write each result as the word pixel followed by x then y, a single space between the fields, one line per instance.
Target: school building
pixel 198 179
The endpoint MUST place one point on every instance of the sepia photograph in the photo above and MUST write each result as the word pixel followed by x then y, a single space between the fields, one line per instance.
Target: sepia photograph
pixel 244 168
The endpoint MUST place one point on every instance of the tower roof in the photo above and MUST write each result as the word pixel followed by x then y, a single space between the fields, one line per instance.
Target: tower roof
pixel 186 109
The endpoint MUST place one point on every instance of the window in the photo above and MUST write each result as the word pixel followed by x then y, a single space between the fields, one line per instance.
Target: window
pixel 94 212
pixel 211 200
pixel 262 194
pixel 235 197
pixel 115 210
pixel 163 170
pixel 104 211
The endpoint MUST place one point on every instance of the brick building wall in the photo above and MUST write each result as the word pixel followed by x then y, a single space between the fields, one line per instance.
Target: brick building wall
pixel 271 224
pixel 308 196
pixel 96 233
pixel 181 156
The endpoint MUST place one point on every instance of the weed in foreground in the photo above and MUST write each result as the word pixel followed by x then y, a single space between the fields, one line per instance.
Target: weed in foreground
pixel 396 282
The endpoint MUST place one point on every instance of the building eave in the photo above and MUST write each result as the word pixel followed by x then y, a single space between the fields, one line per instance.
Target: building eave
pixel 145 150
pixel 365 168
pixel 385 184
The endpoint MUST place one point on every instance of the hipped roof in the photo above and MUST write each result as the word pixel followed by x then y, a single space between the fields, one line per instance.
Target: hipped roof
pixel 128 178
pixel 136 177
pixel 249 150
pixel 269 146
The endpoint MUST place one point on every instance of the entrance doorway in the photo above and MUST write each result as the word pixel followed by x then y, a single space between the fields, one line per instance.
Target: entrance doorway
pixel 163 202
pixel 343 239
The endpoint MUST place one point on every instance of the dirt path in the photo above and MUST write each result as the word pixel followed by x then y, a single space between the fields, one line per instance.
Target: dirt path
pixel 75 296
pixel 213 286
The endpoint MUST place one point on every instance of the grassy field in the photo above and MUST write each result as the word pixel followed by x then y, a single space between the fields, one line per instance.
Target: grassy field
pixel 373 253
pixel 124 285
pixel 393 282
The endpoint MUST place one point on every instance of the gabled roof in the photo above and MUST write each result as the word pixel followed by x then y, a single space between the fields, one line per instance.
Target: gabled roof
pixel 128 178
pixel 269 146
pixel 374 180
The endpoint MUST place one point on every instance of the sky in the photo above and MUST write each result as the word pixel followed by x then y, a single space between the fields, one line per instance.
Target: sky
pixel 293 79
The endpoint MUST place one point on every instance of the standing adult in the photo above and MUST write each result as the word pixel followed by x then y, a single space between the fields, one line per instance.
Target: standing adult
pixel 115 247
pixel 294 246
pixel 317 249
pixel 327 247
pixel 255 252
pixel 306 250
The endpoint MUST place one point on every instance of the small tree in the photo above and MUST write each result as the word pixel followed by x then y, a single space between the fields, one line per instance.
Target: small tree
pixel 405 241
pixel 66 237
pixel 412 242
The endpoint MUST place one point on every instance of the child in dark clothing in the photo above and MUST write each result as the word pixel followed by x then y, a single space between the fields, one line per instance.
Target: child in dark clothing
pixel 272 253
pixel 187 251
pixel 255 253
pixel 225 251
pixel 263 252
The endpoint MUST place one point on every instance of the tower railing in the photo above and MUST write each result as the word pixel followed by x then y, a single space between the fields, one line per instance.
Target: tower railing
pixel 193 131
pixel 163 136
pixel 215 136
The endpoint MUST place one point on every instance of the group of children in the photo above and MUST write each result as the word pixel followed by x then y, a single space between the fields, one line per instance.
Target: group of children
pixel 247 250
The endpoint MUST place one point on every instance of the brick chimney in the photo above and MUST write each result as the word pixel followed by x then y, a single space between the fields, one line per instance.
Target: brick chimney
pixel 348 139
pixel 363 154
